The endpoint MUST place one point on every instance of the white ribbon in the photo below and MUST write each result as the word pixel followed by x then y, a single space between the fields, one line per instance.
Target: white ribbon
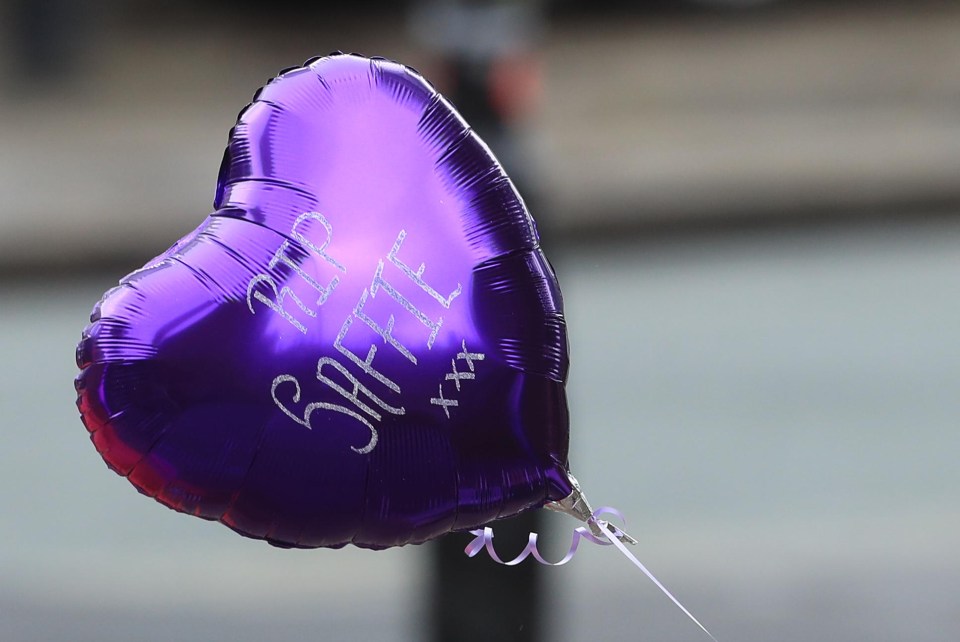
pixel 483 539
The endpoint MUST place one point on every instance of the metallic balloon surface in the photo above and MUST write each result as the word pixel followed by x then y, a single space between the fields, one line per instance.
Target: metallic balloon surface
pixel 362 344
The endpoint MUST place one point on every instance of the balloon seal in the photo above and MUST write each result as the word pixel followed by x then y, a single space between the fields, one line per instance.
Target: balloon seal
pixel 576 505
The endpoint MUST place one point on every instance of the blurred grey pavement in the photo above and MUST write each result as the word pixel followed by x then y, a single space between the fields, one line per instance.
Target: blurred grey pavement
pixel 645 120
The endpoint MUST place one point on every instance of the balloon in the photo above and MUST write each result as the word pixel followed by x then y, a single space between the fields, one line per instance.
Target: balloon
pixel 362 344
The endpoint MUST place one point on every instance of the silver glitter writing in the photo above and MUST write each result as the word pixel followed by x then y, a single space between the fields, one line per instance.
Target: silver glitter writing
pixel 281 255
pixel 319 405
pixel 364 365
pixel 446 404
pixel 417 277
pixel 321 250
pixel 468 356
pixel 277 305
pixel 379 281
pixel 456 376
pixel 354 395
pixel 386 333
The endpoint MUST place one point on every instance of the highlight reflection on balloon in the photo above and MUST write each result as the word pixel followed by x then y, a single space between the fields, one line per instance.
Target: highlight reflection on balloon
pixel 363 343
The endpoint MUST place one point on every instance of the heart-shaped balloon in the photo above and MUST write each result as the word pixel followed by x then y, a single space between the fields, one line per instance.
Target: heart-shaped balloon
pixel 362 344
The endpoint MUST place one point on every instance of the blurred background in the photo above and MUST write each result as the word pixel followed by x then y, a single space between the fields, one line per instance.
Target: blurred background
pixel 753 207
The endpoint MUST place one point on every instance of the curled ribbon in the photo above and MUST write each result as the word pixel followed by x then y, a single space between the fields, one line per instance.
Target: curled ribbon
pixel 483 539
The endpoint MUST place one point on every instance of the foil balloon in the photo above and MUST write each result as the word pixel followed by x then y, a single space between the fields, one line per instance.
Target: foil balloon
pixel 363 343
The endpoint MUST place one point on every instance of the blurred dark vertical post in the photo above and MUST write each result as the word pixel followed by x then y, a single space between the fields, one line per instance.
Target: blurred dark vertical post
pixel 487 67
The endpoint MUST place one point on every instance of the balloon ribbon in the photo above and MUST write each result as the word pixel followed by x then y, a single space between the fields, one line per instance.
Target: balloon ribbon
pixel 483 539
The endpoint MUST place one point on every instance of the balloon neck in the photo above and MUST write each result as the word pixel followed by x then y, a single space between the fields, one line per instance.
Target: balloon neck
pixel 576 505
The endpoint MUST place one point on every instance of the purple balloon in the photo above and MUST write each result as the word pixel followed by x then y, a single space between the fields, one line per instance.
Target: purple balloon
pixel 362 344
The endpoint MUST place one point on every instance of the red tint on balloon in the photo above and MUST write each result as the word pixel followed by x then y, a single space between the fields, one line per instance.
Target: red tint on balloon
pixel 363 343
